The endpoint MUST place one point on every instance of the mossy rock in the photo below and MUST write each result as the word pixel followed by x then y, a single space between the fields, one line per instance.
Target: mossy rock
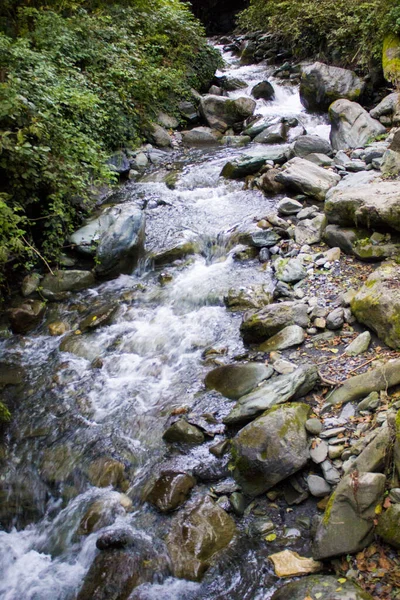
pixel 389 526
pixel 391 58
pixel 321 586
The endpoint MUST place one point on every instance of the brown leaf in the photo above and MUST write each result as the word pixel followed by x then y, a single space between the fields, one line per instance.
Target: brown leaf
pixel 387 502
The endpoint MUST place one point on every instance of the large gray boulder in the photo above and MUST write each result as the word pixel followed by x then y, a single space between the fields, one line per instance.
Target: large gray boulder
pixel 322 84
pixel 275 391
pixel 248 164
pixel 352 126
pixel 263 90
pixel 357 242
pixel 271 448
pixel 388 107
pixel 258 326
pixel 306 177
pixel 221 113
pixel 348 522
pixel 374 206
pixel 311 144
pixel 377 303
pixel 321 586
pixel 234 381
pixel 196 537
pixel 159 136
pixel 200 136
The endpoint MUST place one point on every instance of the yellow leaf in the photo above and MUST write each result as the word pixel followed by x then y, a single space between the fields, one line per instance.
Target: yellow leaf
pixel 94 318
pixel 334 350
pixel 339 589
pixel 342 580
pixel 378 509
pixel 78 332
pixel 318 595
pixel 271 537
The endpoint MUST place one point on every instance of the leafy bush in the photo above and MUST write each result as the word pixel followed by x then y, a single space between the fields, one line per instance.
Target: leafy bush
pixel 344 32
pixel 79 79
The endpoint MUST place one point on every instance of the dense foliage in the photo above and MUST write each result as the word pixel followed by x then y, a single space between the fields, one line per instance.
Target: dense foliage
pixel 79 79
pixel 345 32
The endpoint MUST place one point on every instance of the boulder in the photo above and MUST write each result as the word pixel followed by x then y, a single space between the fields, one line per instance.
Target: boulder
pixel 119 163
pixel 234 381
pixel 261 325
pixel 189 112
pixel 289 270
pixel 275 391
pixel 170 490
pixel 391 58
pixel 389 106
pixel 359 345
pixel 263 90
pixel 197 536
pixel 221 113
pixel 321 586
pixel 248 298
pixel 121 246
pixel 310 231
pixel 56 286
pixel 159 136
pixel 355 388
pixel 249 164
pixel 182 432
pixel 322 84
pixel 167 121
pixel 377 304
pixel 388 526
pixel 288 206
pixel 287 338
pixel 375 455
pixel 231 84
pixel 99 316
pixel 273 134
pixel 374 206
pixel 105 472
pixel 200 136
pixel 357 242
pixel 271 448
pixel 26 316
pixel 352 126
pixel 348 522
pixel 311 144
pixel 307 178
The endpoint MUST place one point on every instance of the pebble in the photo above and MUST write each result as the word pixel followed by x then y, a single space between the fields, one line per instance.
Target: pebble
pixel 313 426
pixel 335 452
pixel 319 452
pixel 328 433
pixel 331 474
pixel 319 323
pixel 335 319
pixel 318 486
pixel 312 330
pixel 238 503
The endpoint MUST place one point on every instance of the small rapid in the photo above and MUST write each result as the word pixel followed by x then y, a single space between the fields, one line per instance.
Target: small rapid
pixel 112 393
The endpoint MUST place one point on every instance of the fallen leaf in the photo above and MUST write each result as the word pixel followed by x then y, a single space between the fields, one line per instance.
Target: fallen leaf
pixel 387 503
pixel 271 537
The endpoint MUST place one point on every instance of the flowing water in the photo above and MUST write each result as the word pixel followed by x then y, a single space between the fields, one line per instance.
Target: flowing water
pixel 69 412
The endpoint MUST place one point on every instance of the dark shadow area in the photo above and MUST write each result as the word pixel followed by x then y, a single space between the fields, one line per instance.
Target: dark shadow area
pixel 218 16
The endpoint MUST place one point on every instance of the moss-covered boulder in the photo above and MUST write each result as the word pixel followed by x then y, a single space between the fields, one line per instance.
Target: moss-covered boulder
pixel 321 586
pixel 323 84
pixel 234 381
pixel 249 297
pixel 391 58
pixel 197 536
pixel 377 303
pixel 263 324
pixel 271 448
pixel 389 526
pixel 348 522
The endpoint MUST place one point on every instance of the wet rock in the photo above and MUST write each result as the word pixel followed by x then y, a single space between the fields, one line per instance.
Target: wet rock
pixel 57 464
pixel 119 163
pixel 352 126
pixel 105 472
pixel 182 432
pixel 103 512
pixel 335 319
pixel 261 325
pixel 321 160
pixel 115 538
pixel 251 297
pixel 262 238
pixel 347 525
pixel 291 564
pixel 98 317
pixel 271 448
pixel 196 537
pixel 307 178
pixel 220 448
pixel 377 304
pixel 310 231
pixel 26 316
pixel 322 84
pixel 318 487
pixel 288 206
pixel 231 84
pixel 235 140
pixel 200 136
pixel 55 287
pixel 318 450
pixel 374 206
pixel 289 270
pixel 263 90
pixel 57 328
pixel 30 284
pixel 159 136
pixel 388 526
pixel 276 391
pixel 170 490
pixel 249 164
pixel 312 144
pixel 359 345
pixel 238 503
pixel 234 381
pixel 286 338
pixel 176 250
pixel 321 586
pixel 221 113
pixel 11 374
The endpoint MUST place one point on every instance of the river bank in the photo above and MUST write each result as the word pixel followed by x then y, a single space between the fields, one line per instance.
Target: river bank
pixel 126 455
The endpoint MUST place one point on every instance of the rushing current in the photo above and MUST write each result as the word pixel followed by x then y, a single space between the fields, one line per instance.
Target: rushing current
pixel 68 411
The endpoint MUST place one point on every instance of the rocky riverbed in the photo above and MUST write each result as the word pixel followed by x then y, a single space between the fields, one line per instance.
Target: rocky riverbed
pixel 205 394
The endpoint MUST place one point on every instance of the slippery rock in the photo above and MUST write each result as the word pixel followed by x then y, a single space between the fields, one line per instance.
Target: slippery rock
pixel 322 84
pixel 263 90
pixel 275 391
pixel 388 526
pixel 196 537
pixel 260 325
pixel 251 297
pixel 170 490
pixel 286 338
pixel 271 448
pixel 182 432
pixel 249 164
pixel 235 381
pixel 26 316
pixel 377 304
pixel 55 286
pixel 221 113
pixel 348 523
pixel 307 178
pixel 352 126
pixel 321 586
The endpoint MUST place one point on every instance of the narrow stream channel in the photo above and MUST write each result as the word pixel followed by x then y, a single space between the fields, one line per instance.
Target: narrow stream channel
pixel 151 358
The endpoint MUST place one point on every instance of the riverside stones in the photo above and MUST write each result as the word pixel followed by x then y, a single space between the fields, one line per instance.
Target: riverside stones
pixel 311 144
pixel 286 338
pixel 249 164
pixel 182 432
pixel 288 206
pixel 310 231
pixel 55 286
pixel 307 178
pixel 221 113
pixel 359 345
pixel 170 490
pixel 200 136
pixel 322 84
pixel 271 448
pixel 321 586
pixel 388 526
pixel 26 316
pixel 275 391
pixel 352 126
pixel 377 303
pixel 260 325
pixel 234 381
pixel 196 536
pixel 289 270
pixel 318 487
pixel 348 523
